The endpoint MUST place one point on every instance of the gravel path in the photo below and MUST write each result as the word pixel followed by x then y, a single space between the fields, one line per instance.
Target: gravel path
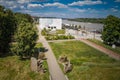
pixel 102 49
pixel 54 69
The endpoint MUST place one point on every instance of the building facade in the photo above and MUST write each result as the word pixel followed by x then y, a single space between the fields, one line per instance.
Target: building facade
pixel 50 23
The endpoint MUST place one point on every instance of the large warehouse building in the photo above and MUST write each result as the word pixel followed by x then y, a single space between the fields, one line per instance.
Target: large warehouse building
pixel 50 23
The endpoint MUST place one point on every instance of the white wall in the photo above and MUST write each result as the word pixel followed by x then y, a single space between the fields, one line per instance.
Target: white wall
pixel 51 22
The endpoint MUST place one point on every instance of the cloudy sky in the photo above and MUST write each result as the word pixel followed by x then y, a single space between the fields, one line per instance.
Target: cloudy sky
pixel 65 8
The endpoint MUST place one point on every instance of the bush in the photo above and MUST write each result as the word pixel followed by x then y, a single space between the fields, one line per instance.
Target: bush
pixel 38 45
pixel 44 32
pixel 59 37
pixel 71 37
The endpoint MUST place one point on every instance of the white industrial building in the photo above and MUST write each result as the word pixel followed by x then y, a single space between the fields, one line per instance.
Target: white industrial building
pixel 50 23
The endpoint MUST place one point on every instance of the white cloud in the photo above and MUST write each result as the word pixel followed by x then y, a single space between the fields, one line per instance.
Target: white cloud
pixel 116 6
pixel 54 13
pixel 49 14
pixel 12 7
pixel 23 1
pixel 7 3
pixel 34 5
pixel 86 2
pixel 26 11
pixel 117 0
pixel 77 10
pixel 114 10
pixel 22 7
pixel 10 3
pixel 56 4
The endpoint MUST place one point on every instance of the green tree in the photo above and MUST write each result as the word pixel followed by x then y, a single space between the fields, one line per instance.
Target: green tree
pixel 7 27
pixel 26 36
pixel 23 17
pixel 111 31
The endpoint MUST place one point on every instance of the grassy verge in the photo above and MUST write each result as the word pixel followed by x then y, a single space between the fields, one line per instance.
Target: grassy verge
pixel 12 68
pixel 117 49
pixel 88 63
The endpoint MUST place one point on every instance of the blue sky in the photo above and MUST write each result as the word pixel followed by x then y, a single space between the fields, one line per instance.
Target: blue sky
pixel 65 8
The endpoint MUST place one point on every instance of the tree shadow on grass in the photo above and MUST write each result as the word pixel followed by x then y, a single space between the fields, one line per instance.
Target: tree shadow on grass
pixel 5 54
pixel 39 50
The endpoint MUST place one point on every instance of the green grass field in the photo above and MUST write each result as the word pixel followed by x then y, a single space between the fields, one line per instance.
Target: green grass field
pixel 12 68
pixel 117 49
pixel 88 63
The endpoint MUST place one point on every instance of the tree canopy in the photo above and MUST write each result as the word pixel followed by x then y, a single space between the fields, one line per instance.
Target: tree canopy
pixel 26 38
pixel 7 28
pixel 23 17
pixel 16 29
pixel 111 31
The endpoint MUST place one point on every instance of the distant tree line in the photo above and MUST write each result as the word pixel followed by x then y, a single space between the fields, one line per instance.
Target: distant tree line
pixel 18 34
pixel 92 20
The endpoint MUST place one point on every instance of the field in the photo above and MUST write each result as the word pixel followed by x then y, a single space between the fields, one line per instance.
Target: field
pixel 117 49
pixel 12 68
pixel 88 63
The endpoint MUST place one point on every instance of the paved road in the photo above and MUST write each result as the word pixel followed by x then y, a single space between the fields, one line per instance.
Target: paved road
pixel 102 49
pixel 54 69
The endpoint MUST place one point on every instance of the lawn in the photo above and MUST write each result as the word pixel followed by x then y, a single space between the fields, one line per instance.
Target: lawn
pixel 12 68
pixel 88 63
pixel 117 49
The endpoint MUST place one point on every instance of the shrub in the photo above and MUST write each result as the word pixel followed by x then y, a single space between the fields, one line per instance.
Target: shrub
pixel 38 45
pixel 44 32
pixel 71 37
pixel 59 37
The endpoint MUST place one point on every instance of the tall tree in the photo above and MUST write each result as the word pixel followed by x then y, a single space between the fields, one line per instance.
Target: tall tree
pixel 7 27
pixel 111 31
pixel 26 37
